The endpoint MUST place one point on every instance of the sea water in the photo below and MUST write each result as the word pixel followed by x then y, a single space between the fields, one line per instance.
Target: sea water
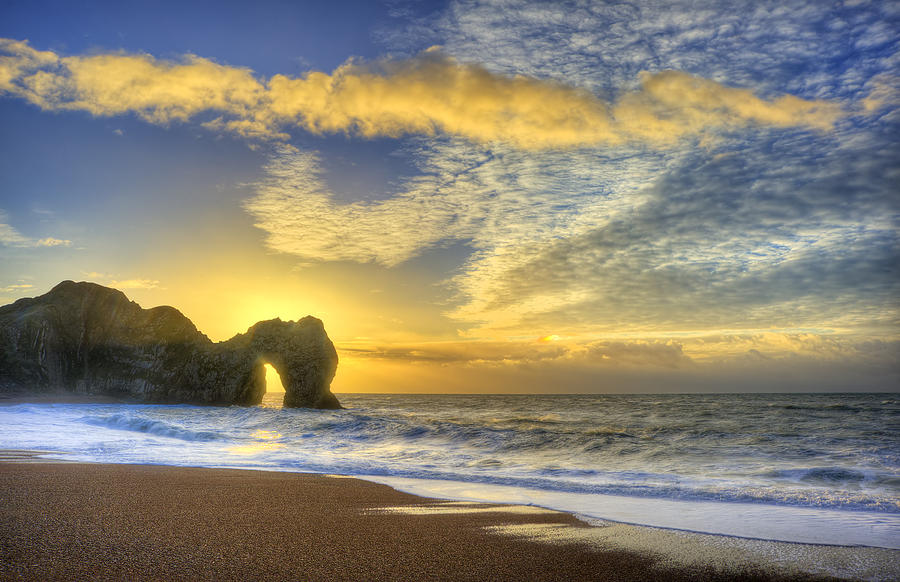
pixel 817 468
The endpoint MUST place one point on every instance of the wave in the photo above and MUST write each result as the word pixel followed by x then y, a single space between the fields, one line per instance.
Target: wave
pixel 659 447
pixel 824 475
pixel 145 425
pixel 643 485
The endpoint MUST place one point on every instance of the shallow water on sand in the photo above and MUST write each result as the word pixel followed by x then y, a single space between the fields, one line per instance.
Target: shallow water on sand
pixel 822 468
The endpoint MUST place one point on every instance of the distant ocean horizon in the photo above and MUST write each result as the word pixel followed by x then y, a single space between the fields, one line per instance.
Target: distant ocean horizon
pixel 816 468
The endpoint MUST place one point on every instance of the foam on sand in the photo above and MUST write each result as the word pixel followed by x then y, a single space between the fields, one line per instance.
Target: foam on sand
pixel 680 549
pixel 451 507
pixel 669 548
pixel 784 523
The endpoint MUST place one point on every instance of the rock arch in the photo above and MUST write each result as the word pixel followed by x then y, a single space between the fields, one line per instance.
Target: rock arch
pixel 89 339
pixel 300 352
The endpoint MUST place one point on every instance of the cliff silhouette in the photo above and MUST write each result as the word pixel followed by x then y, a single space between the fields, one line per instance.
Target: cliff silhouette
pixel 87 339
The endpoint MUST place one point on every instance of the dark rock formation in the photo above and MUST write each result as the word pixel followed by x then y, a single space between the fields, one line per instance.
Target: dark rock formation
pixel 88 339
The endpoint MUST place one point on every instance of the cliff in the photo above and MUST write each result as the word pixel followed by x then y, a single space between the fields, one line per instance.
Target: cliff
pixel 89 339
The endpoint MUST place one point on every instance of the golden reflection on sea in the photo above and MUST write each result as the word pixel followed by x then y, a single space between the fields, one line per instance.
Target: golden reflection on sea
pixel 266 440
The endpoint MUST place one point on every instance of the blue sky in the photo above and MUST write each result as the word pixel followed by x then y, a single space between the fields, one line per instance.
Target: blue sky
pixel 269 37
pixel 677 196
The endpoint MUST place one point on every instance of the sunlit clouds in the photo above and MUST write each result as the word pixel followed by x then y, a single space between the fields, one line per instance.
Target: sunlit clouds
pixel 634 243
pixel 17 288
pixel 488 196
pixel 113 84
pixel 429 94
pixel 885 93
pixel 434 93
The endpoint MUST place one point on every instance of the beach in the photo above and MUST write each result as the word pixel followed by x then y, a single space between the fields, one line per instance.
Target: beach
pixel 68 521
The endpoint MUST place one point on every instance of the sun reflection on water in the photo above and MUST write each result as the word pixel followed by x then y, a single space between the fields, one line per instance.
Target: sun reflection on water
pixel 266 440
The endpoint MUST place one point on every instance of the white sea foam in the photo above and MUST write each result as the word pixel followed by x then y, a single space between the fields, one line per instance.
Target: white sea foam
pixel 813 468
pixel 749 520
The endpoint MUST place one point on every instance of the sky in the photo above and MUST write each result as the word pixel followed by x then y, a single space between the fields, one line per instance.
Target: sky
pixel 475 196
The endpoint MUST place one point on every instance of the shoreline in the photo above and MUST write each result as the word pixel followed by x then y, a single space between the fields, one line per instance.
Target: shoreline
pixel 741 520
pixel 65 517
pixel 770 523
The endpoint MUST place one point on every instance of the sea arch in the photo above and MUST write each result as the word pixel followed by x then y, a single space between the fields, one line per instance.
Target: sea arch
pixel 300 353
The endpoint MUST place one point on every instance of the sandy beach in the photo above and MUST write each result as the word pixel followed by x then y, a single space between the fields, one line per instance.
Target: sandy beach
pixel 68 521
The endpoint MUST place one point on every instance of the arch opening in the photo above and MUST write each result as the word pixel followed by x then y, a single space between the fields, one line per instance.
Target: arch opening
pixel 273 388
pixel 273 380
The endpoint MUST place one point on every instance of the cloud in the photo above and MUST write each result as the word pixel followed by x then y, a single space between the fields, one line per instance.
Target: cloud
pixel 53 242
pixel 295 208
pixel 732 362
pixel 782 228
pixel 135 284
pixel 762 226
pixel 112 280
pixel 433 92
pixel 17 288
pixel 11 237
pixel 113 84
pixel 782 232
pixel 485 199
pixel 462 353
pixel 885 93
pixel 639 354
pixel 802 47
pixel 792 228
pixel 602 354
pixel 428 94
pixel 747 348
pixel 779 230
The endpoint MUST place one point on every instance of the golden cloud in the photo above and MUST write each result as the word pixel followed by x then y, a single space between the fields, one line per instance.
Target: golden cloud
pixel 159 91
pixel 135 284
pixel 701 350
pixel 53 242
pixel 434 93
pixel 885 92
pixel 428 94
pixel 671 104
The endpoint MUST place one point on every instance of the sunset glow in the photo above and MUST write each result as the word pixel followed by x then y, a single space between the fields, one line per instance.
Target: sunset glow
pixel 457 290
pixel 475 196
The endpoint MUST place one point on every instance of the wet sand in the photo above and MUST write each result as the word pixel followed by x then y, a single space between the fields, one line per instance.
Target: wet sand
pixel 74 521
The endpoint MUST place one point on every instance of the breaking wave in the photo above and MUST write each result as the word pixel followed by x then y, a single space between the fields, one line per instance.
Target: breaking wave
pixel 835 452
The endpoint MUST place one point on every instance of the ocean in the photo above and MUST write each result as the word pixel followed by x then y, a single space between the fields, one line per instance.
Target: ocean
pixel 814 468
